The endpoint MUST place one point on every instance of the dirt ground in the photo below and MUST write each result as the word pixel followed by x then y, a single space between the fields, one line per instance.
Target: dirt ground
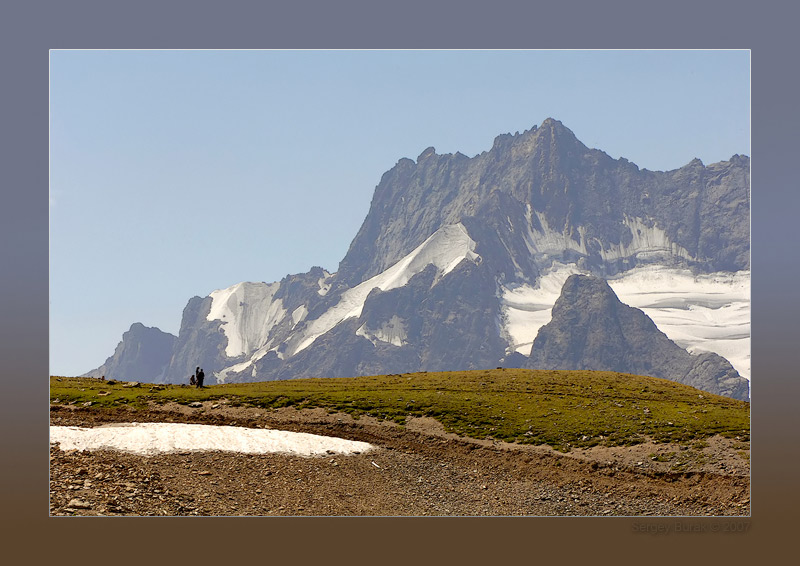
pixel 417 470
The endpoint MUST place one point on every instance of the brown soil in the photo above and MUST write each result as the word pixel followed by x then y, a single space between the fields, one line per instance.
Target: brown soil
pixel 417 470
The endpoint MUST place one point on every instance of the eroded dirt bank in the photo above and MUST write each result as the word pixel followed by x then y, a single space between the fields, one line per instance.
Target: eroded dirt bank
pixel 416 470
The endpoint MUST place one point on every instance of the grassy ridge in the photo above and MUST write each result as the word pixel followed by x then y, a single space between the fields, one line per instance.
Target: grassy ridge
pixel 561 408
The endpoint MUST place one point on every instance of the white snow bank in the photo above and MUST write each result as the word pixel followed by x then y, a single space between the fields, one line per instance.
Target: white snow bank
pixel 154 438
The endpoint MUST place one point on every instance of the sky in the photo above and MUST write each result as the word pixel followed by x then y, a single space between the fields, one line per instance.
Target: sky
pixel 176 173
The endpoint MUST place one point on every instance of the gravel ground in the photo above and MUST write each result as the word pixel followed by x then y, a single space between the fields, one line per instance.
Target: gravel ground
pixel 417 470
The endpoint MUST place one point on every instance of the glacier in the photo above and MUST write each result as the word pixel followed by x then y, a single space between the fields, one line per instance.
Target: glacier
pixel 445 249
pixel 249 312
pixel 702 313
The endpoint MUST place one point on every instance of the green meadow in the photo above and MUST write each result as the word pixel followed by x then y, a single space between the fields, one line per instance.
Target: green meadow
pixel 563 409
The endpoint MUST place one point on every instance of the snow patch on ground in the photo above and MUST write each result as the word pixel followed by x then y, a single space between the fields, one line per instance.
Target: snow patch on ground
pixel 702 313
pixel 155 438
pixel 445 248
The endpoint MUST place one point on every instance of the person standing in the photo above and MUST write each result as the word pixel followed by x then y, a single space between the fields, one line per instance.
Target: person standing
pixel 200 376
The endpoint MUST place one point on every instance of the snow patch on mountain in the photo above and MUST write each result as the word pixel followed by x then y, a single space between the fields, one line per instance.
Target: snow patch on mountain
pixel 392 331
pixel 445 249
pixel 299 314
pixel 222 375
pixel 248 313
pixel 526 308
pixel 547 240
pixel 647 241
pixel 702 313
pixel 323 283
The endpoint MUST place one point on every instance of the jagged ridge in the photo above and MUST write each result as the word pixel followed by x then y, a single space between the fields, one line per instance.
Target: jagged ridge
pixel 482 226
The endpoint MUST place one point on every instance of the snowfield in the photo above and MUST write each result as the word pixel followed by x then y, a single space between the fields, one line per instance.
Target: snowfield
pixel 445 249
pixel 248 313
pixel 702 313
pixel 155 438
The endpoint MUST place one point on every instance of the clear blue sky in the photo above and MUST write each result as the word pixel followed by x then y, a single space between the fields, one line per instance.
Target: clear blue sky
pixel 174 173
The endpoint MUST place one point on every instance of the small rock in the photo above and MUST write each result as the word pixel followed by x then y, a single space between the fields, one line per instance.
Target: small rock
pixel 79 504
pixel 196 404
pixel 87 404
pixel 215 406
pixel 204 473
pixel 131 384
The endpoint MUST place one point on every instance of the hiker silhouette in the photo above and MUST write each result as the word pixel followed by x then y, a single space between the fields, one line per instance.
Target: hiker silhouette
pixel 200 376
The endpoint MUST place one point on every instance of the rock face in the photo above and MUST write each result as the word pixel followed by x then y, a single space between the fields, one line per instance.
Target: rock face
pixel 423 284
pixel 143 354
pixel 592 330
pixel 547 193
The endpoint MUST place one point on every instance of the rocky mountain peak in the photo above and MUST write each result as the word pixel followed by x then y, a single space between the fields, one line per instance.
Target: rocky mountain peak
pixel 438 276
pixel 428 152
pixel 143 355
pixel 591 329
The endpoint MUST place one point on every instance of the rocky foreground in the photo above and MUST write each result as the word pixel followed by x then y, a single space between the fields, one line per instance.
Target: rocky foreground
pixel 417 470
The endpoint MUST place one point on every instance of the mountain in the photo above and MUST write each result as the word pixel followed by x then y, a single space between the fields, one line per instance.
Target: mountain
pixel 143 351
pixel 453 266
pixel 592 329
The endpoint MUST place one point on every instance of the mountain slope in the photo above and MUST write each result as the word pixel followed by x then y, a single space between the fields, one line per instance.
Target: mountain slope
pixel 592 330
pixel 143 354
pixel 574 199
pixel 437 276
